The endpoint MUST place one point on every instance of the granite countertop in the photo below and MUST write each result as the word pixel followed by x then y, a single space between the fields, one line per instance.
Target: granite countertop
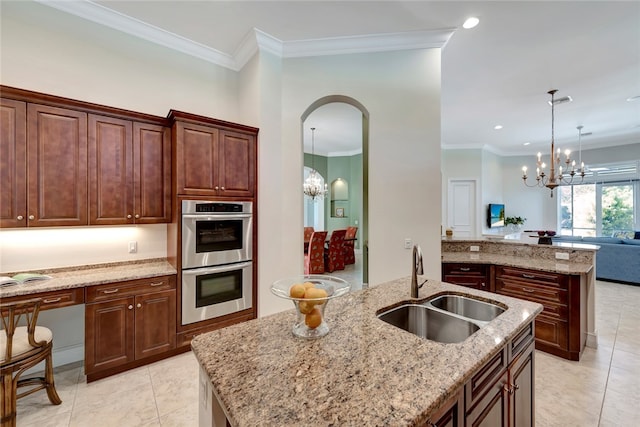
pixel 82 276
pixel 554 266
pixel 532 241
pixel 364 372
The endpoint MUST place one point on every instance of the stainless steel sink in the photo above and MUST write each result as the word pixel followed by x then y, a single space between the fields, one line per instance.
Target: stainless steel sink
pixel 428 323
pixel 467 307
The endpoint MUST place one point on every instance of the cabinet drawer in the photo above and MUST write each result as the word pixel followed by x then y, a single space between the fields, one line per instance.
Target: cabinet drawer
pixel 131 287
pixel 476 282
pixel 485 378
pixel 464 269
pixel 533 276
pixel 531 291
pixel 521 342
pixel 53 299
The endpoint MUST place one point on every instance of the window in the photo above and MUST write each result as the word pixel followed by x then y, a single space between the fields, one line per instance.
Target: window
pixel 608 206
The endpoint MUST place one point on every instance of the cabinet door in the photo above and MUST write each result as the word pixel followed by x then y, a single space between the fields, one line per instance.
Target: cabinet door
pixel 237 156
pixel 522 383
pixel 450 415
pixel 155 323
pixel 492 409
pixel 57 173
pixel 152 173
pixel 110 171
pixel 13 163
pixel 196 159
pixel 109 334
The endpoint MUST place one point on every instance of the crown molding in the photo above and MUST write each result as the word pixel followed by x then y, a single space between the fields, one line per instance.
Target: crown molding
pixel 255 41
pixel 426 39
pixel 126 24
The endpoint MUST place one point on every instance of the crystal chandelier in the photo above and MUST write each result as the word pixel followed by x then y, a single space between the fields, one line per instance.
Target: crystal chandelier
pixel 554 180
pixel 312 186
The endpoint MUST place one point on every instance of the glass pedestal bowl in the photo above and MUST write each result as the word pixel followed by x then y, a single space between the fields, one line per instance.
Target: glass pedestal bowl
pixel 310 298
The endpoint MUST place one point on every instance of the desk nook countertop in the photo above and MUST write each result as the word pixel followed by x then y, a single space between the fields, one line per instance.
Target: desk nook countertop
pixel 364 372
pixel 89 275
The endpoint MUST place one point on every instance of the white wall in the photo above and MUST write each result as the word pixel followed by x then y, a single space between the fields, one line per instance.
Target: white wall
pixel 401 91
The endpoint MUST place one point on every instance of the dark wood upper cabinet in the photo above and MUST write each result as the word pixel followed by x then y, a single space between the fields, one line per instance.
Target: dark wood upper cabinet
pixel 13 163
pixel 151 173
pixel 237 163
pixel 130 172
pixel 213 158
pixel 57 166
pixel 110 170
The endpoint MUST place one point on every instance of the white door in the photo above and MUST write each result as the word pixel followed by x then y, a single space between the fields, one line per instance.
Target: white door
pixel 461 208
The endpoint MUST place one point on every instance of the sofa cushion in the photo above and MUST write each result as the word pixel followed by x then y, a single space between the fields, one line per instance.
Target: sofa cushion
pixel 635 242
pixel 601 240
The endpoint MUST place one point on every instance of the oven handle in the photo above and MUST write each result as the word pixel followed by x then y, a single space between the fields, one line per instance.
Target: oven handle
pixel 219 269
pixel 209 217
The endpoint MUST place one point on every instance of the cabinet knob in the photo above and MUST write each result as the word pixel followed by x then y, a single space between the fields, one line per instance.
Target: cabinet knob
pixel 137 216
pixel 483 285
pixel 130 307
pixel 128 216
pixel 31 217
pixel 222 188
pixel 20 218
pixel 138 305
pixel 216 188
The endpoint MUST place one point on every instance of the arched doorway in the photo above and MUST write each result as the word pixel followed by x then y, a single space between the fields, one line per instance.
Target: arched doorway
pixel 335 117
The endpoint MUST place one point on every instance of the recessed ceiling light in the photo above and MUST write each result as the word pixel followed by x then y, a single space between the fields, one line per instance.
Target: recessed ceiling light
pixel 497 127
pixel 470 22
pixel 633 98
pixel 526 143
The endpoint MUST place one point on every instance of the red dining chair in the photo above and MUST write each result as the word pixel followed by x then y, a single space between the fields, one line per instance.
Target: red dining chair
pixel 314 258
pixel 308 231
pixel 334 254
pixel 349 246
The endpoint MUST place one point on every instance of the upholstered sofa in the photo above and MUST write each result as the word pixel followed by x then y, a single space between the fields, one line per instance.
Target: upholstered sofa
pixel 617 260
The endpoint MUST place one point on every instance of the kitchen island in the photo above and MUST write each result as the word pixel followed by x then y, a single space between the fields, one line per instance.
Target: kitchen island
pixel 364 372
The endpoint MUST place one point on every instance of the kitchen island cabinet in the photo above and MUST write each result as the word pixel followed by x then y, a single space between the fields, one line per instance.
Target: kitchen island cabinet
pixel 364 371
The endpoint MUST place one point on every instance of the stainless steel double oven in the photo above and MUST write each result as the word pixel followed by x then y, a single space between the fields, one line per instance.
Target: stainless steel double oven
pixel 217 269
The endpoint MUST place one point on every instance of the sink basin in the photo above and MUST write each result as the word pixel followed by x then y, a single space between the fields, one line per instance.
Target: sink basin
pixel 467 307
pixel 428 323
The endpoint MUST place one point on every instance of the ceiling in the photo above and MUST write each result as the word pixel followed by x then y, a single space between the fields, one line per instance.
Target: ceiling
pixel 496 73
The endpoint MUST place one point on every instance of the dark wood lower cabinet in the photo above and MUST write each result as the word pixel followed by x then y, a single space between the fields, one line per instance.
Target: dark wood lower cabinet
pixel 128 323
pixel 500 393
pixel 476 276
pixel 509 397
pixel 450 415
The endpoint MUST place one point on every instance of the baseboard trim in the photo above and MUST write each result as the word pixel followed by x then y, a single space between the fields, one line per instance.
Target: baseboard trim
pixel 61 356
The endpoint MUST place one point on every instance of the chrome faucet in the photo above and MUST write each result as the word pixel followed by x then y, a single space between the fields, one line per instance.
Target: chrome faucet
pixel 416 268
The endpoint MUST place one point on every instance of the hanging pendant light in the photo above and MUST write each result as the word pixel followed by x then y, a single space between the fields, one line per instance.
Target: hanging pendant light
pixel 312 186
pixel 555 177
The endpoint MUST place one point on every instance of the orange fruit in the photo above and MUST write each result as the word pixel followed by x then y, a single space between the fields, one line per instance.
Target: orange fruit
pixel 305 307
pixel 313 319
pixel 297 291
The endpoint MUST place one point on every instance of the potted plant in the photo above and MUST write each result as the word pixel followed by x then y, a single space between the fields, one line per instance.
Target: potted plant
pixel 514 223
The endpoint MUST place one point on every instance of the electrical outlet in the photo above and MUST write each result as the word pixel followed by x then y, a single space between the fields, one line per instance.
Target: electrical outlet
pixel 474 248
pixel 133 247
pixel 407 243
pixel 562 255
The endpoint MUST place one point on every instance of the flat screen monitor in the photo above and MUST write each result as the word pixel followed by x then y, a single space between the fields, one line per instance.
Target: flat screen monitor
pixel 495 216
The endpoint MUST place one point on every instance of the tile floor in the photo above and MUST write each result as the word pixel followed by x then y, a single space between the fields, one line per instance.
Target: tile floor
pixel 603 389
